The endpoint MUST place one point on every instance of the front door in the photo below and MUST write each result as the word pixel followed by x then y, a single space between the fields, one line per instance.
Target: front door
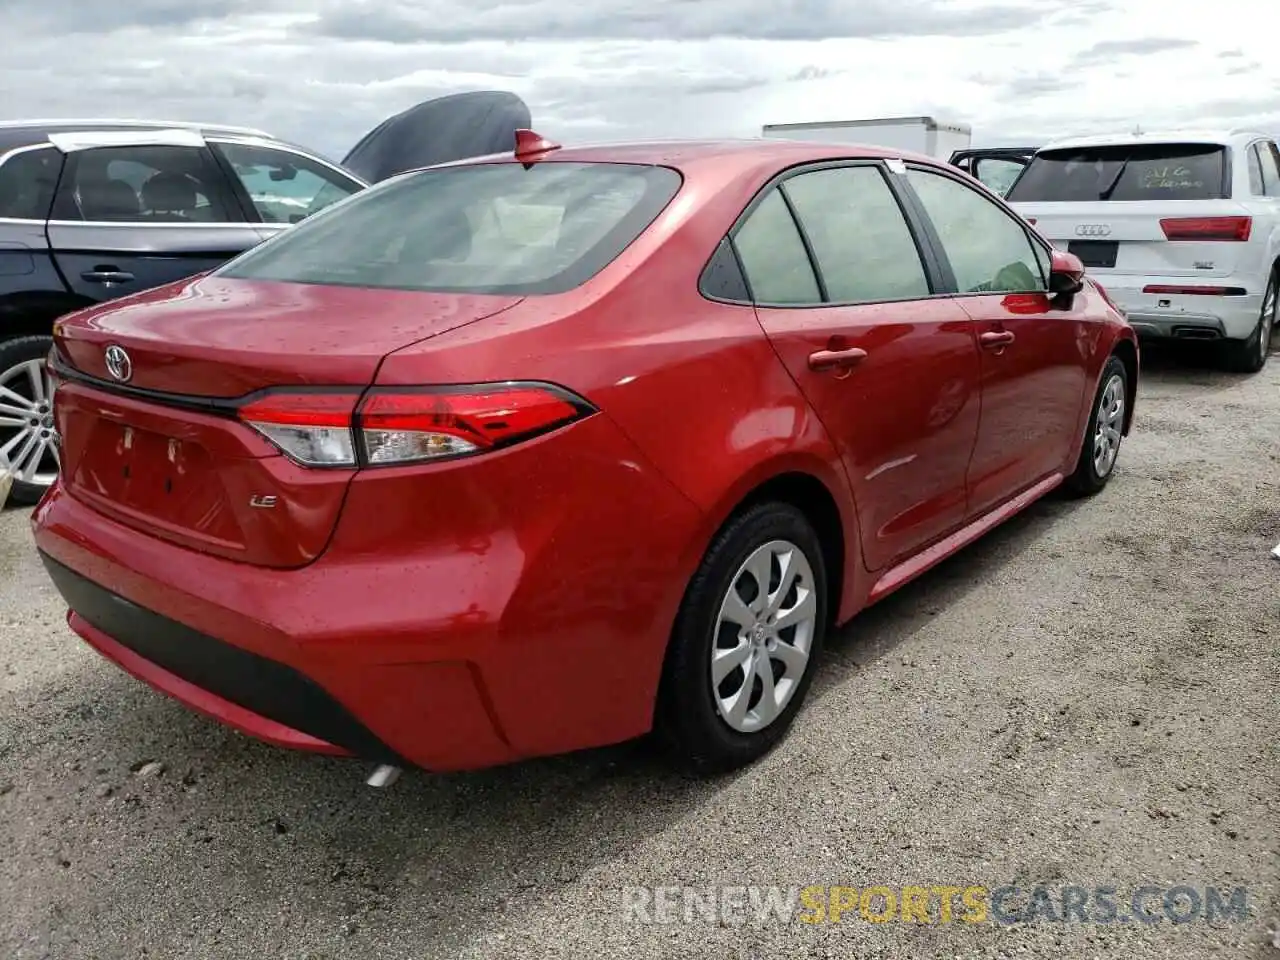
pixel 892 374
pixel 128 218
pixel 1034 355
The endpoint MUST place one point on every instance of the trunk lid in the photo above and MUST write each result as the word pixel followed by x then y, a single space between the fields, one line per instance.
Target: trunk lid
pixel 1128 239
pixel 1111 204
pixel 162 451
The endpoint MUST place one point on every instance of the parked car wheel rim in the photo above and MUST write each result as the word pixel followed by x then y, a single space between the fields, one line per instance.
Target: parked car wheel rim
pixel 1266 325
pixel 764 634
pixel 28 441
pixel 1110 421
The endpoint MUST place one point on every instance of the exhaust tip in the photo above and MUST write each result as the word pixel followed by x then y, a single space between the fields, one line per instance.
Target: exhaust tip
pixel 384 776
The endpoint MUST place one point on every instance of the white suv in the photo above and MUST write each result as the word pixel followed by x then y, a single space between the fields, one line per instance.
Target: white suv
pixel 1182 229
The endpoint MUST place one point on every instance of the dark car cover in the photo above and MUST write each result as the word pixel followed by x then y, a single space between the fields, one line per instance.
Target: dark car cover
pixel 449 128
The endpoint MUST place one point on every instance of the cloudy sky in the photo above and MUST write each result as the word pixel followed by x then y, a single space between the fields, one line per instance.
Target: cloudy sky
pixel 323 71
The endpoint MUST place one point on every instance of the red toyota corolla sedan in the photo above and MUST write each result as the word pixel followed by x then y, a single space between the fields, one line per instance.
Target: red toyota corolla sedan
pixel 544 451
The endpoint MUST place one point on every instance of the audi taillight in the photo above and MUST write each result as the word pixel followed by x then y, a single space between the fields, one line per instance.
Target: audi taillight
pixel 401 425
pixel 1237 229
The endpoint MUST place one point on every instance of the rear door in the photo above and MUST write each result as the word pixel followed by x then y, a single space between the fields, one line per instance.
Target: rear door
pixel 131 216
pixel 843 292
pixel 1139 210
pixel 28 177
pixel 1034 356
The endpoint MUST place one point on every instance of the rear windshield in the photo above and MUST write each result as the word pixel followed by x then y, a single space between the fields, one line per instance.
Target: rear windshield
pixel 482 228
pixel 1139 172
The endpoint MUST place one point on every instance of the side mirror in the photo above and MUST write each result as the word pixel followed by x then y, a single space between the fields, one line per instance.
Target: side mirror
pixel 1066 274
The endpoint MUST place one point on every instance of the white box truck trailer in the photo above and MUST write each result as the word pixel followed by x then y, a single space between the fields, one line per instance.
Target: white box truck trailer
pixel 925 135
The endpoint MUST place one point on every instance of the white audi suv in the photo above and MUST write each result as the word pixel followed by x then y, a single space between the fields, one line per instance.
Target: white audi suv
pixel 1181 228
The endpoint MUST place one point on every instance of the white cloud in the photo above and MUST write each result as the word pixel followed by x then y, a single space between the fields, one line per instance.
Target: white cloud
pixel 322 72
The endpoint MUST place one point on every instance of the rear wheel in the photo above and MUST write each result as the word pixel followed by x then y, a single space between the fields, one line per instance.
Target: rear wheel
pixel 1102 437
pixel 742 653
pixel 1250 355
pixel 28 447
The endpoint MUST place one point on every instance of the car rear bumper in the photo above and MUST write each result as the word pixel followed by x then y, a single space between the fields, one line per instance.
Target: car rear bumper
pixel 1185 316
pixel 513 633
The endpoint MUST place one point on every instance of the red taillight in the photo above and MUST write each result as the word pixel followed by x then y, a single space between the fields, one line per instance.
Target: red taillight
pixel 1193 291
pixel 1207 228
pixel 409 425
pixel 1031 220
pixel 311 427
pixel 412 425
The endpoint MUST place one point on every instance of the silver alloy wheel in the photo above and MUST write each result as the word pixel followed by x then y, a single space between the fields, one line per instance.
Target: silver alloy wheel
pixel 764 633
pixel 1267 322
pixel 1106 437
pixel 28 441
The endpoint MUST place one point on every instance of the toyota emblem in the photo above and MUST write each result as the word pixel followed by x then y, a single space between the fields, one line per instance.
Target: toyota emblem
pixel 118 363
pixel 1093 230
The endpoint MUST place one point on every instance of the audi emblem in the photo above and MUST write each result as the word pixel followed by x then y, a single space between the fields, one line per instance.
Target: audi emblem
pixel 118 363
pixel 1093 230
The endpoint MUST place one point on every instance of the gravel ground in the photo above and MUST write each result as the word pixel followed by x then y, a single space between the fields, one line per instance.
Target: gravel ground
pixel 1087 697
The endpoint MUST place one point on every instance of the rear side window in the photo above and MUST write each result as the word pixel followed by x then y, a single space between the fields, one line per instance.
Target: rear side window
pixel 145 184
pixel 860 239
pixel 1124 173
pixel 1255 173
pixel 27 183
pixel 773 256
pixel 1270 169
pixel 482 228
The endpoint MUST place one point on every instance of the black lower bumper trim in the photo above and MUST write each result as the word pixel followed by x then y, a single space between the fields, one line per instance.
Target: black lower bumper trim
pixel 266 687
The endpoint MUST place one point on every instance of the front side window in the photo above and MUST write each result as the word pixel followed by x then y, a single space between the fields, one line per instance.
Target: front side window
pixel 773 256
pixel 477 228
pixel 285 187
pixel 27 183
pixel 988 249
pixel 860 239
pixel 144 184
pixel 1161 171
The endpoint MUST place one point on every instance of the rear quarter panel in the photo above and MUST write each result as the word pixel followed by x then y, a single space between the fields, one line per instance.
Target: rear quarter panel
pixel 694 384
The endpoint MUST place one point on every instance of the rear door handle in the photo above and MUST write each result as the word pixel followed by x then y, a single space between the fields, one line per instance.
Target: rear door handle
pixel 996 338
pixel 836 359
pixel 107 275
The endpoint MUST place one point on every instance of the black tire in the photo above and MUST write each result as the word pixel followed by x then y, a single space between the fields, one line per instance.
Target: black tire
pixel 1088 479
pixel 13 353
pixel 687 722
pixel 1250 355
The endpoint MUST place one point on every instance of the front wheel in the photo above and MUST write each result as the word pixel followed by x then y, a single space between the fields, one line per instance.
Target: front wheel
pixel 28 442
pixel 748 632
pixel 1102 437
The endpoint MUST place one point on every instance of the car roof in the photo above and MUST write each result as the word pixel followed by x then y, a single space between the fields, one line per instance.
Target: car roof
pixel 1217 136
pixel 20 133
pixel 739 154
